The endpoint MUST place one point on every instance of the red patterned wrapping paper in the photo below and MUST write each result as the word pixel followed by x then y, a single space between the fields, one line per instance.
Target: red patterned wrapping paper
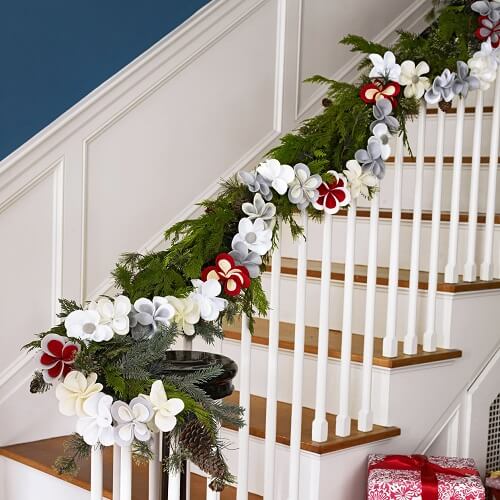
pixel 391 484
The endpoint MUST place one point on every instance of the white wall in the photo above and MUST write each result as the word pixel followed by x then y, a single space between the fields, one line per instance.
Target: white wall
pixel 113 172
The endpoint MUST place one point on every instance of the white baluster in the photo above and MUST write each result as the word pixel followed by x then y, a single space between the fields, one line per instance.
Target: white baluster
pixel 244 432
pixel 365 416
pixel 298 364
pixel 343 422
pixel 154 478
pixel 430 328
pixel 390 346
pixel 487 271
pixel 451 271
pixel 116 472
pixel 125 473
pixel 174 486
pixel 470 272
pixel 188 346
pixel 410 342
pixel 320 424
pixel 211 494
pixel 96 473
pixel 272 371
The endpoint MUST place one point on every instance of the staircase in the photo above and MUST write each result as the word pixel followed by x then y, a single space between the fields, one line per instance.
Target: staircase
pixel 398 298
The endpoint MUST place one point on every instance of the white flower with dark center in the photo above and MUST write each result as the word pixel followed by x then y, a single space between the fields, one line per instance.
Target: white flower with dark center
pixel 187 313
pixel 165 410
pixel 132 420
pixel 259 209
pixel 381 133
pixel 280 176
pixel 484 63
pixel 413 80
pixel 86 325
pixel 304 188
pixel 244 257
pixel 206 294
pixel 97 424
pixel 385 67
pixel 255 235
pixel 113 314
pixel 74 390
pixel 359 181
pixel 147 316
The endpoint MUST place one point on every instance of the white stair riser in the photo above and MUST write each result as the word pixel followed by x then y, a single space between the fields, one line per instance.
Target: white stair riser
pixel 449 136
pixel 387 188
pixel 287 308
pixel 383 260
pixel 381 380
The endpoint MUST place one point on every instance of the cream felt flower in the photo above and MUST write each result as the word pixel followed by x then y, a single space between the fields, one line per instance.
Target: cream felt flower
pixel 187 313
pixel 280 176
pixel 483 65
pixel 74 390
pixel 113 314
pixel 412 78
pixel 96 426
pixel 165 410
pixel 359 181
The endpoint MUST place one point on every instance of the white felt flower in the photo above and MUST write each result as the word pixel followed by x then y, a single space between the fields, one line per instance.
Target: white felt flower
pixel 165 410
pixel 359 181
pixel 483 65
pixel 383 136
pixel 187 313
pixel 412 78
pixel 280 176
pixel 74 390
pixel 206 294
pixel 385 67
pixel 86 325
pixel 255 235
pixel 132 420
pixel 114 314
pixel 97 424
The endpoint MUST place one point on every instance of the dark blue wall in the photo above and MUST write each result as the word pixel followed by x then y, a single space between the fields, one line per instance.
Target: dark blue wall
pixel 54 52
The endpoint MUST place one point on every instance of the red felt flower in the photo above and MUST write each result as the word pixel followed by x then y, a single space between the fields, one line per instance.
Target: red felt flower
pixel 333 195
pixel 233 277
pixel 488 29
pixel 372 92
pixel 56 356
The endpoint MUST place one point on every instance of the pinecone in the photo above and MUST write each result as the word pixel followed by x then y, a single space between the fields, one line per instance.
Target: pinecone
pixel 445 106
pixel 198 441
pixel 326 102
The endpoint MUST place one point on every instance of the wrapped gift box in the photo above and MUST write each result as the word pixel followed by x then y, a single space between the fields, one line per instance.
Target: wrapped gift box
pixel 392 477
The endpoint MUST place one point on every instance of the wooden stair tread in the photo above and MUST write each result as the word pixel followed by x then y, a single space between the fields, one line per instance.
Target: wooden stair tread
pixel 468 110
pixel 287 334
pixel 426 215
pixel 283 419
pixel 289 266
pixel 41 455
pixel 447 160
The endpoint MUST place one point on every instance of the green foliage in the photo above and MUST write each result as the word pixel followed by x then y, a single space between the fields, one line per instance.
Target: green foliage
pixel 76 450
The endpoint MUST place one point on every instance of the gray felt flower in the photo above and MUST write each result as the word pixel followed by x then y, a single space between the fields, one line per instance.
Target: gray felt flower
pixel 485 8
pixel 243 257
pixel 371 158
pixel 464 81
pixel 304 188
pixel 147 317
pixel 382 112
pixel 259 208
pixel 256 184
pixel 442 88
